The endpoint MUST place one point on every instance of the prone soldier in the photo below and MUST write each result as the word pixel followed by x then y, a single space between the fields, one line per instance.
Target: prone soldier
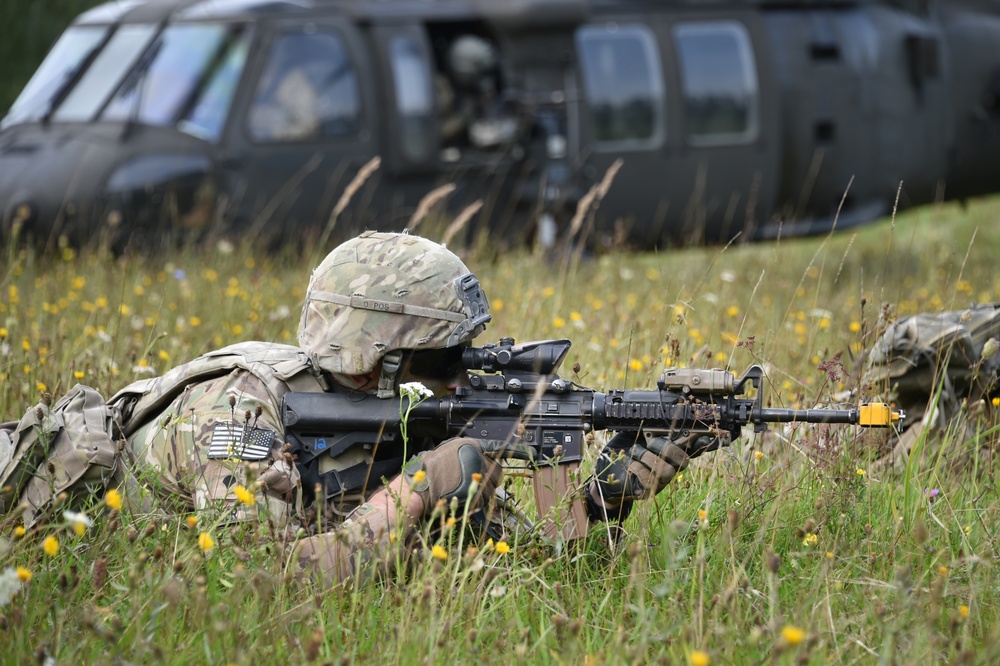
pixel 381 310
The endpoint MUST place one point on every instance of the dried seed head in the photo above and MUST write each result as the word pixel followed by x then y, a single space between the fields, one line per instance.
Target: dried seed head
pixel 100 573
pixel 772 561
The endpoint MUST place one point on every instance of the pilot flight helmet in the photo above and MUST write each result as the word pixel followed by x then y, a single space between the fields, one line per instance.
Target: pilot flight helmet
pixel 470 57
pixel 380 294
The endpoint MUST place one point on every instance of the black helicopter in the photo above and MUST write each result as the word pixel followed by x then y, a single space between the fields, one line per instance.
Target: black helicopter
pixel 736 118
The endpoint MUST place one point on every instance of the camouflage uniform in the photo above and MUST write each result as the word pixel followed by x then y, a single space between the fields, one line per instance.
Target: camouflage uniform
pixel 214 423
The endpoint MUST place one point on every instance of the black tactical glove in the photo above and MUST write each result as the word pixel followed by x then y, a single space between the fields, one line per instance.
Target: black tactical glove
pixel 631 467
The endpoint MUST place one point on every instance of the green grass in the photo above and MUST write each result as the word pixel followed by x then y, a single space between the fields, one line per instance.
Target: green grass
pixel 810 534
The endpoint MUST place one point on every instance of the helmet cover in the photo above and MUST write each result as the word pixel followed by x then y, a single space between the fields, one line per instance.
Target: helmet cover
pixel 382 292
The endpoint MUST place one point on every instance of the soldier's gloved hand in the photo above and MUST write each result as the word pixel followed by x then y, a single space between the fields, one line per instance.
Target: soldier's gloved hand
pixel 631 468
pixel 449 471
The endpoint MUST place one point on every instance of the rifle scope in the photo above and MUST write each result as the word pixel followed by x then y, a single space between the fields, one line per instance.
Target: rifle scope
pixel 542 357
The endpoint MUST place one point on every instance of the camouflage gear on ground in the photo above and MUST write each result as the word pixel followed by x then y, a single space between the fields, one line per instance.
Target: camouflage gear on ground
pixel 447 473
pixel 952 350
pixel 67 447
pixel 937 368
pixel 383 292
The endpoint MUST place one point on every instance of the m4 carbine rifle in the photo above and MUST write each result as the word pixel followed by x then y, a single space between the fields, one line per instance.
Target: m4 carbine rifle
pixel 517 404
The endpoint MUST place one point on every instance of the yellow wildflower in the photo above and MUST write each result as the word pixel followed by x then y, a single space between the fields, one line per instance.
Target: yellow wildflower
pixel 702 514
pixel 78 374
pixel 810 539
pixel 854 326
pixel 758 455
pixel 164 356
pixel 477 477
pixel 558 322
pixel 450 522
pixel 51 546
pixel 25 576
pixel 861 472
pixel 635 364
pixel 20 531
pixel 419 476
pixel 113 500
pixel 963 610
pixel 699 658
pixel 502 548
pixel 244 496
pixel 192 521
pixel 206 542
pixel 793 635
pixel 943 570
pixel 439 553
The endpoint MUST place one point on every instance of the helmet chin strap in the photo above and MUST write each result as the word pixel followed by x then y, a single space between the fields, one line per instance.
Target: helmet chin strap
pixel 387 379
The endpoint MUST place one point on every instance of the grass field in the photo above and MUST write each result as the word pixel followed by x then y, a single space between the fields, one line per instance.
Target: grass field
pixel 762 553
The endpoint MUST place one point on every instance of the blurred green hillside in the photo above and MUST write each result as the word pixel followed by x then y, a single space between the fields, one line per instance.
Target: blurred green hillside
pixel 30 29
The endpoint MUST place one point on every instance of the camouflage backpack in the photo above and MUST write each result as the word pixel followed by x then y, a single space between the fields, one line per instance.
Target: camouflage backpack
pixel 67 447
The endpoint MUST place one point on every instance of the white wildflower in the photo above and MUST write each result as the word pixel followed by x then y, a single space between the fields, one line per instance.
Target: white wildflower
pixel 74 518
pixel 10 584
pixel 415 391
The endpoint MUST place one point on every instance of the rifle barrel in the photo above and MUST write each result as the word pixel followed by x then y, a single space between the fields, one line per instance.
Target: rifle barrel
pixel 771 415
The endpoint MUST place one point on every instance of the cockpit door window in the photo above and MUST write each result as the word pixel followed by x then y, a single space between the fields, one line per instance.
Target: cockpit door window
pixel 59 67
pixel 187 78
pixel 105 73
pixel 414 99
pixel 719 82
pixel 308 90
pixel 623 85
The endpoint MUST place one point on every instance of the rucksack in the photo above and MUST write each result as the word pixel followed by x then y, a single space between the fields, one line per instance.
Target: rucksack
pixel 66 447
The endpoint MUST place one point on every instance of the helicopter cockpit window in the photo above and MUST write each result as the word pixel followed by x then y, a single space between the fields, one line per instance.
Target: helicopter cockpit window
pixel 412 82
pixel 719 82
pixel 186 78
pixel 623 84
pixel 60 66
pixel 308 90
pixel 104 74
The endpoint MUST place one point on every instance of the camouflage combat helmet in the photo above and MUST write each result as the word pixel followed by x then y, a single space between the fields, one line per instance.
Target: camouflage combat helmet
pixel 381 293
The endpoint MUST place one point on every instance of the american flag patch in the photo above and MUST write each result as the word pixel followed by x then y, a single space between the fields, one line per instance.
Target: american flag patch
pixel 237 440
